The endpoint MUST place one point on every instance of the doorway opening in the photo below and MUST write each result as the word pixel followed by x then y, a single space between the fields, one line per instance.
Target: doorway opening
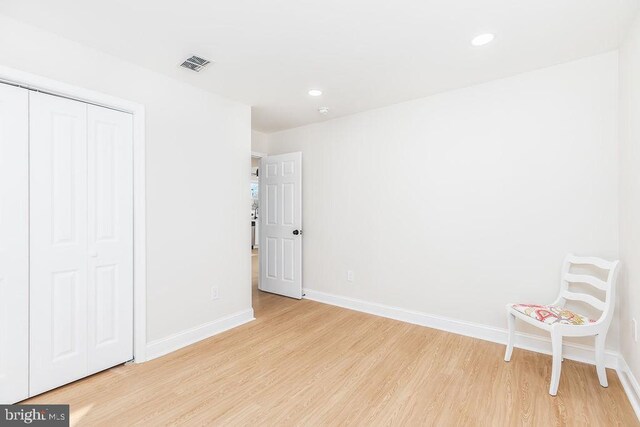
pixel 255 226
pixel 276 228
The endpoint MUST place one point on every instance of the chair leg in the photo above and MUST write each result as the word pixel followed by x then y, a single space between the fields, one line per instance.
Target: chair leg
pixel 602 373
pixel 511 322
pixel 556 344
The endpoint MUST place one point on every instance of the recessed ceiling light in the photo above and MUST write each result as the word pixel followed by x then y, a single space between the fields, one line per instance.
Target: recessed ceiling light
pixel 482 39
pixel 315 92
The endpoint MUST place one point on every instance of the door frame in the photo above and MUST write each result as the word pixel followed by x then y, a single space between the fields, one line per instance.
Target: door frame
pixel 43 84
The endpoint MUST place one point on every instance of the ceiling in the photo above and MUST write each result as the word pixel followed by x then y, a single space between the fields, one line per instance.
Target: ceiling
pixel 362 54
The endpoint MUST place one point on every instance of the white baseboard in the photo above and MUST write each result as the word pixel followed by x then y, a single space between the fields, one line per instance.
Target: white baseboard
pixel 177 341
pixel 537 343
pixel 630 385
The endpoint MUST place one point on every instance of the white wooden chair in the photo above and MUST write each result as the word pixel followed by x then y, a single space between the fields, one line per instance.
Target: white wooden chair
pixel 561 322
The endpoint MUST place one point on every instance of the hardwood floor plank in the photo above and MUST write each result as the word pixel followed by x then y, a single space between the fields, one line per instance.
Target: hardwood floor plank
pixel 306 363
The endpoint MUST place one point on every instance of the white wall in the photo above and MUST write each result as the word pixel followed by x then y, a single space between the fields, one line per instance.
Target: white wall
pixel 630 194
pixel 198 147
pixel 259 142
pixel 458 203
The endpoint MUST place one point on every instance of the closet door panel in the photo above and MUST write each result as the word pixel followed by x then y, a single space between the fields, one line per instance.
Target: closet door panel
pixel 58 216
pixel 110 280
pixel 14 244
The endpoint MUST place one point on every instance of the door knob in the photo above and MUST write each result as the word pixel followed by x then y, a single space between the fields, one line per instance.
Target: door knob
pixel 296 232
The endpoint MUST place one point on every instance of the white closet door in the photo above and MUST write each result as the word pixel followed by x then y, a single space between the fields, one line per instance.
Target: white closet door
pixel 14 244
pixel 110 306
pixel 58 212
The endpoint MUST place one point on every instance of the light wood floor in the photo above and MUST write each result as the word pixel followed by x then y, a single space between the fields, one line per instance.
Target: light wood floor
pixel 305 363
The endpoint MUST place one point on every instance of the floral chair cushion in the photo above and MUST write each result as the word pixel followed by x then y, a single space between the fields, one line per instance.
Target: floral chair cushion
pixel 552 314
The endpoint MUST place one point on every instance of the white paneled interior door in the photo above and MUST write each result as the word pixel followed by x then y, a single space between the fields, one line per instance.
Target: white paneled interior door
pixel 14 244
pixel 58 211
pixel 81 240
pixel 110 285
pixel 281 224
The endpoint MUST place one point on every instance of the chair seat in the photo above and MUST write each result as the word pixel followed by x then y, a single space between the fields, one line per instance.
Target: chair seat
pixel 550 314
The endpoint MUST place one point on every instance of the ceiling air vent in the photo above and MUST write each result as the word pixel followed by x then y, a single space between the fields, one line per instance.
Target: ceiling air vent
pixel 195 63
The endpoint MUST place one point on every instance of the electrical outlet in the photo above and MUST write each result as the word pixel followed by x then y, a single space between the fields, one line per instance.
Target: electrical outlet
pixel 215 293
pixel 635 329
pixel 349 275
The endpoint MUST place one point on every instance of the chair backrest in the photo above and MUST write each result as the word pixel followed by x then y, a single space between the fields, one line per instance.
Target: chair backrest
pixel 610 268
